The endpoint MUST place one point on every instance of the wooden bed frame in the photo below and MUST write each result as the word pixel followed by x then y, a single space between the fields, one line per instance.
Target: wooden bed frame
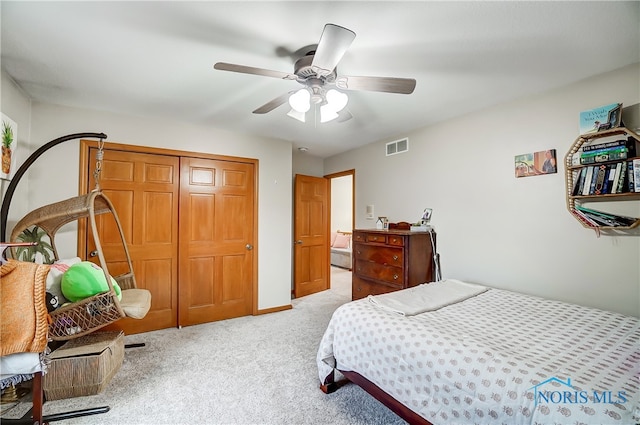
pixel 394 405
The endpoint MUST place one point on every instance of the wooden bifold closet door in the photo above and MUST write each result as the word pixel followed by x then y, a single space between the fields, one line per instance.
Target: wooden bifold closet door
pixel 216 240
pixel 189 223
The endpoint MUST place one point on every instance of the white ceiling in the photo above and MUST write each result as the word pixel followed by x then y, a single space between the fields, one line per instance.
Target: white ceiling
pixel 156 58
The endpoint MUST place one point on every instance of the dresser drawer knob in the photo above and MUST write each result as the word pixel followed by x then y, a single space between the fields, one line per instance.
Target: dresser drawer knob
pixel 395 257
pixel 395 277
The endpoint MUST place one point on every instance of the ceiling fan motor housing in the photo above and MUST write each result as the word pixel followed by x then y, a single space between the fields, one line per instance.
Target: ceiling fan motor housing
pixel 302 68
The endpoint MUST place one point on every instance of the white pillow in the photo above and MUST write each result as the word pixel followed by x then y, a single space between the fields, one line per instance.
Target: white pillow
pixel 54 278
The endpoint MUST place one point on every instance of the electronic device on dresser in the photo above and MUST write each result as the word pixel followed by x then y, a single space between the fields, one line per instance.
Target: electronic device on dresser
pixel 389 260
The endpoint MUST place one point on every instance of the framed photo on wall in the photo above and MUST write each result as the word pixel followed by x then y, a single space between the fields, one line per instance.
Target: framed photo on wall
pixel 536 163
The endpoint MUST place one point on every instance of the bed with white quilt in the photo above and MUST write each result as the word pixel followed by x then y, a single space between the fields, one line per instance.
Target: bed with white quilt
pixel 452 352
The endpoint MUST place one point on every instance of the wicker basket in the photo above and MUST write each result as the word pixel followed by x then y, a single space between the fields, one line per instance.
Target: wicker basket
pixel 84 317
pixel 84 366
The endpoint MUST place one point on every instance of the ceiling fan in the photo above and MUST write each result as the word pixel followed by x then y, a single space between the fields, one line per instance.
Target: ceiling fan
pixel 316 71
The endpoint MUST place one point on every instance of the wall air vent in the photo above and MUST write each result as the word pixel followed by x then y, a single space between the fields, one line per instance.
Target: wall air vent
pixel 399 146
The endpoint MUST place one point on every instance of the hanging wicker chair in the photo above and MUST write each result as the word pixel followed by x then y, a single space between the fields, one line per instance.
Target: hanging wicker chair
pixel 87 315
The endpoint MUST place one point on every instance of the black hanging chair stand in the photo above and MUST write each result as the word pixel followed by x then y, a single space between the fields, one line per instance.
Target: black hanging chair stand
pixel 35 414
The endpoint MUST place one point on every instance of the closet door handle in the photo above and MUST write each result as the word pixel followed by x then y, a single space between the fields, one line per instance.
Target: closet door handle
pixel 249 247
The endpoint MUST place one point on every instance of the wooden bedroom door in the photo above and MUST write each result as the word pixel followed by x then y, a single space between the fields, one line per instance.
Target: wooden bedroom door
pixel 144 190
pixel 217 209
pixel 311 211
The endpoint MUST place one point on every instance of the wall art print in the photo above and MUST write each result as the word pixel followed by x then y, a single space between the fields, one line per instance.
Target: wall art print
pixel 9 143
pixel 537 163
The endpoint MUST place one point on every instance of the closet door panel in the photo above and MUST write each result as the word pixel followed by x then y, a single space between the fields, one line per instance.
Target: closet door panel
pixel 144 189
pixel 216 228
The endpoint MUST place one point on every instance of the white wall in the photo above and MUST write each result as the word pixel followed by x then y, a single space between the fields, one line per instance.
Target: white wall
pixel 493 228
pixel 307 164
pixel 55 176
pixel 17 106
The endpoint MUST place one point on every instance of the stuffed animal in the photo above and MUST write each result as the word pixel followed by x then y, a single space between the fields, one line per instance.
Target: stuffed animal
pixel 84 280
pixel 52 302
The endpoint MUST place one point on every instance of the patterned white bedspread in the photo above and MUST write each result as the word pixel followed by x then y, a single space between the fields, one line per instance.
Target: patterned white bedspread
pixel 497 358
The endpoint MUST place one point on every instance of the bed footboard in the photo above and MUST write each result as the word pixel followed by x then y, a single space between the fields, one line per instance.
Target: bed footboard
pixel 394 405
pixel 330 384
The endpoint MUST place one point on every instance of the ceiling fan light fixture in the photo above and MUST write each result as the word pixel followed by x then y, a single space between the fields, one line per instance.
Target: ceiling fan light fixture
pixel 300 100
pixel 300 116
pixel 337 100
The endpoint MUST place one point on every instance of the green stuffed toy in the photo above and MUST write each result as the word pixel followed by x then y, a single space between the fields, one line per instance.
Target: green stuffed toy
pixel 84 280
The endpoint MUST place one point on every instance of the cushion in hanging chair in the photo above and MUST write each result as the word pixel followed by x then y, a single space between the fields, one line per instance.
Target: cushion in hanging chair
pixel 85 279
pixel 135 302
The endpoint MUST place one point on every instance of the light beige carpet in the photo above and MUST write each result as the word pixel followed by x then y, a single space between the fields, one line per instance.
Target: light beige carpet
pixel 250 370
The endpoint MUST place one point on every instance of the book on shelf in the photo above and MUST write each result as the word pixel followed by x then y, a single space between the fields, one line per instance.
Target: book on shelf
pixel 622 178
pixel 630 143
pixel 608 178
pixel 587 180
pixel 616 177
pixel 636 175
pixel 578 183
pixel 600 118
pixel 600 178
pixel 604 145
pixel 594 181
pixel 583 218
pixel 604 155
pixel 630 177
pixel 606 219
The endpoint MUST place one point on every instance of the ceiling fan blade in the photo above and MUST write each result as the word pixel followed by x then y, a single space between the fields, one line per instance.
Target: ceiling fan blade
pixel 333 44
pixel 273 104
pixel 383 84
pixel 223 66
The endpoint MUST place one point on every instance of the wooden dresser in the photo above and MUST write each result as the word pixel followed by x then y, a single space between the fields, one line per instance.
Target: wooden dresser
pixel 389 260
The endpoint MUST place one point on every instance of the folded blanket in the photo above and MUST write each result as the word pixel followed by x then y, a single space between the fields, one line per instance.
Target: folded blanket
pixel 24 325
pixel 426 297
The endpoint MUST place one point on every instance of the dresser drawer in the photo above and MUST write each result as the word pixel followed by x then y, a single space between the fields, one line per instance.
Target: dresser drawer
pixel 369 237
pixel 379 254
pixel 389 274
pixel 373 238
pixel 361 288
pixel 395 240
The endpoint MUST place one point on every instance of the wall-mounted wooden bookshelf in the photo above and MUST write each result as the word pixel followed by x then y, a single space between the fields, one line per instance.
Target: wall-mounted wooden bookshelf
pixel 608 187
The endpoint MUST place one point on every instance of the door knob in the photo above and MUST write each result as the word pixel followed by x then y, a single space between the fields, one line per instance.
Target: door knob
pixel 93 253
pixel 299 242
pixel 249 247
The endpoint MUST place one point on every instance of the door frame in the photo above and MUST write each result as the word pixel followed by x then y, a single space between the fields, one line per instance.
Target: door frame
pixel 329 177
pixel 84 187
pixel 352 173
